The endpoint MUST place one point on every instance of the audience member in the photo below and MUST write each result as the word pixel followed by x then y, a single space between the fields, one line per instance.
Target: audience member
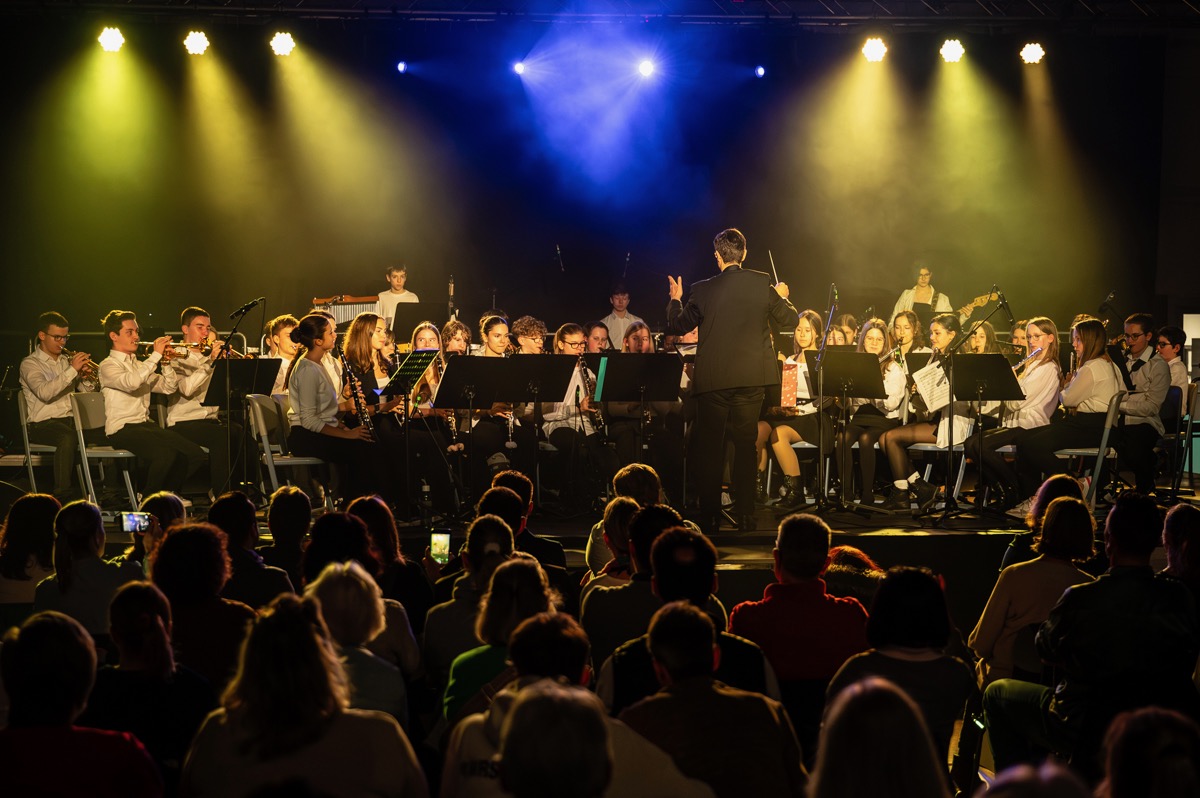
pixel 48 666
pixel 1027 591
pixel 1025 781
pixel 352 607
pixel 251 582
pixel 286 715
pixel 703 724
pixel 875 743
pixel 544 550
pixel 165 509
pixel 146 693
pixel 288 518
pixel 637 481
pixel 1020 548
pixel 26 554
pixel 191 567
pixel 1181 539
pixel 852 574
pixel 400 578
pixel 1151 753
pixel 908 630
pixel 615 525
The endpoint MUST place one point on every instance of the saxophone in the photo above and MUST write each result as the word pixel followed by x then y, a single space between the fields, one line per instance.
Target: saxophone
pixel 356 395
pixel 598 422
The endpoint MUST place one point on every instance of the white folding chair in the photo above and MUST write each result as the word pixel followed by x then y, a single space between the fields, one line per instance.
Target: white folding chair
pixel 87 410
pixel 1100 452
pixel 36 454
pixel 957 448
pixel 269 425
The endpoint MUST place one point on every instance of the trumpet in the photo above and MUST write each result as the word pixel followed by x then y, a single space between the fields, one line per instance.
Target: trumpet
pixel 89 376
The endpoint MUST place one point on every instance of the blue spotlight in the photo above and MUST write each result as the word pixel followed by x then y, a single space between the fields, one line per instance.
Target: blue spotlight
pixel 519 67
pixel 646 68
pixel 759 71
pixel 402 67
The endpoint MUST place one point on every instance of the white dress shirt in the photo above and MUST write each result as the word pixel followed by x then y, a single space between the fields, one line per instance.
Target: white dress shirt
pixel 617 327
pixel 47 384
pixel 280 385
pixel 895 385
pixel 1040 383
pixel 194 373
pixel 1093 387
pixel 126 384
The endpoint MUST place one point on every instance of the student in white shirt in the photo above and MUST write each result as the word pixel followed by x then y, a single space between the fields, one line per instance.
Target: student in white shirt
pixel 166 457
pixel 397 276
pixel 1169 344
pixel 1141 409
pixel 620 319
pixel 279 337
pixel 48 378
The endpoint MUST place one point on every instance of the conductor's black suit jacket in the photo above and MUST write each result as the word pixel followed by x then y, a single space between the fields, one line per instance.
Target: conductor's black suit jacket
pixel 734 311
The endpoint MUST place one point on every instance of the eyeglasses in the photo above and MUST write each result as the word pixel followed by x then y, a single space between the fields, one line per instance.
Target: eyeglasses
pixel 1132 336
pixel 62 339
pixel 574 344
pixel 1161 344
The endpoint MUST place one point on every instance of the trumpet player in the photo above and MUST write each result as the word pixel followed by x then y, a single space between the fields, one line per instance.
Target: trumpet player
pixel 48 377
pixel 165 457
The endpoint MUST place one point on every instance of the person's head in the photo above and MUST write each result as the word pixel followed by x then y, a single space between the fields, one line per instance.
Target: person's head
pixel 381 527
pixel 53 330
pixel 1054 487
pixel 279 336
pixel 365 340
pixel 516 482
pixel 289 682
pixel 909 611
pixel 397 276
pixel 456 337
pixel 313 331
pixel 618 297
pixel 1042 333
pixel 983 340
pixel 493 331
pixel 1088 340
pixel 848 325
pixel 517 590
pixel 48 666
pixel 684 564
pixel 1048 780
pixel 801 547
pixel 638 339
pixel 1169 342
pixel 78 535
pixel 426 336
pixel 233 513
pixel 808 332
pixel 1151 752
pixel 729 247
pixel 195 325
pixel 836 337
pixel 924 275
pixel 1133 529
pixel 530 334
pixel 166 507
pixel 873 739
pixel 28 534
pixel 1067 531
pixel 906 329
pixel 639 482
pixel 351 603
pixel 551 645
pixel 570 339
pixel 1139 332
pixel 139 622
pixel 121 327
pixel 618 514
pixel 289 516
pixel 597 336
pixel 682 641
pixel 506 504
pixel 645 527
pixel 489 543
pixel 1181 539
pixel 943 330
pixel 852 573
pixel 555 744
pixel 1018 335
pixel 191 565
pixel 852 557
pixel 337 537
pixel 875 337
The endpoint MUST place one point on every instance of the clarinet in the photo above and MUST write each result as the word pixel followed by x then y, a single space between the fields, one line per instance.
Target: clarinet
pixel 598 422
pixel 356 395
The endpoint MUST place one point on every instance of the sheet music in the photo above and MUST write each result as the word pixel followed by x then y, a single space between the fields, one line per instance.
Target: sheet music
pixel 932 385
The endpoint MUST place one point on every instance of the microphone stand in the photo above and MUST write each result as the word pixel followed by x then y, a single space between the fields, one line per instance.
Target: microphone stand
pixel 821 500
pixel 223 354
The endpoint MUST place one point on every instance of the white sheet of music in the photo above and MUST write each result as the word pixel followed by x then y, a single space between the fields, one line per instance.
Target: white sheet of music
pixel 933 386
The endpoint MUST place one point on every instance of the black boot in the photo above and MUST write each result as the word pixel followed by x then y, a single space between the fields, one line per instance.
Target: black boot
pixel 760 488
pixel 897 499
pixel 923 493
pixel 793 494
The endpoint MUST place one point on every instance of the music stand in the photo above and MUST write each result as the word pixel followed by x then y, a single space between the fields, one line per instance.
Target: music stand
pixel 232 380
pixel 639 378
pixel 400 385
pixel 407 316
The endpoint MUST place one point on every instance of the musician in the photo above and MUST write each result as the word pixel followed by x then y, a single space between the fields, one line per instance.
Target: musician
pixel 279 338
pixel 316 431
pixel 735 360
pixel 431 436
pixel 836 337
pixel 329 362
pixel 48 377
pixel 983 339
pixel 456 338
pixel 185 413
pixel 1017 335
pixel 1039 380
pixel 1169 343
pixel 495 428
pixel 1085 395
pixel 922 298
pixel 871 417
pixel 397 277
pixel 1142 424
pixel 597 336
pixel 848 325
pixel 637 339
pixel 619 320
pixel 165 457
pixel 530 334
pixel 910 338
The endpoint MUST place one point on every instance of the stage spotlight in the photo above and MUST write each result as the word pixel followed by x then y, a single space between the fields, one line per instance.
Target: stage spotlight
pixel 760 71
pixel 519 68
pixel 402 67
pixel 646 68
pixel 111 40
pixel 874 49
pixel 952 51
pixel 1032 53
pixel 195 43
pixel 283 43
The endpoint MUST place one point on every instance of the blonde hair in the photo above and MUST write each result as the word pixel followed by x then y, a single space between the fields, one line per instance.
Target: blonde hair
pixel 351 603
pixel 518 590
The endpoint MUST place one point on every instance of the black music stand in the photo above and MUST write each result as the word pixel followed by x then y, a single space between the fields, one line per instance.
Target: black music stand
pixel 232 380
pixel 639 378
pixel 400 385
pixel 407 316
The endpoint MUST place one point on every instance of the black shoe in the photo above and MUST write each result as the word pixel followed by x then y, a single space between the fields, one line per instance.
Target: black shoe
pixel 923 493
pixel 896 500
pixel 793 494
pixel 760 489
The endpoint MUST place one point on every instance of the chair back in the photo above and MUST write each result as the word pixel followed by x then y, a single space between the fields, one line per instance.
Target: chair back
pixel 87 409
pixel 264 422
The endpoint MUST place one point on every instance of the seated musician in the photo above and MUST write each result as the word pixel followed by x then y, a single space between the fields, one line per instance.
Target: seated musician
pixel 871 417
pixel 1142 408
pixel 186 414
pixel 1017 337
pixel 849 327
pixel 279 339
pixel 983 339
pixel 909 337
pixel 1169 343
pixel 530 334
pixel 496 433
pixel 48 377
pixel 165 457
pixel 456 338
pixel 596 333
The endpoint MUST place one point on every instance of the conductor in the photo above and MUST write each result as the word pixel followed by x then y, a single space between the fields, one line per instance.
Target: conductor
pixel 735 361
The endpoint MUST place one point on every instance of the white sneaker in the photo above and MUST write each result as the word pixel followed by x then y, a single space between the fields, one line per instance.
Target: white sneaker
pixel 1021 510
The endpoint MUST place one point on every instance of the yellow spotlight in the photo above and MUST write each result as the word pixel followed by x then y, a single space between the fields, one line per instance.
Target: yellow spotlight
pixel 1032 53
pixel 196 42
pixel 874 49
pixel 952 51
pixel 111 40
pixel 283 43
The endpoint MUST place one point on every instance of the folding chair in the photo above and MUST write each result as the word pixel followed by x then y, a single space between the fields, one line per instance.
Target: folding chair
pixel 87 410
pixel 36 454
pixel 269 425
pixel 1100 452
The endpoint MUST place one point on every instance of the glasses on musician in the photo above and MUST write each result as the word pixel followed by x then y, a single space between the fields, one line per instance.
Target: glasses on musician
pixel 62 339
pixel 574 344
pixel 1133 336
pixel 1161 344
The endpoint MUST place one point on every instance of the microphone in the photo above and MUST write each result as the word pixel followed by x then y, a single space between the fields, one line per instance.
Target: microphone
pixel 558 252
pixel 244 309
pixel 1107 303
pixel 1012 320
pixel 833 288
pixel 870 312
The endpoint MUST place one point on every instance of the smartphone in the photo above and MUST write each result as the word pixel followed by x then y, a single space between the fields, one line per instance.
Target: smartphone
pixel 135 522
pixel 439 547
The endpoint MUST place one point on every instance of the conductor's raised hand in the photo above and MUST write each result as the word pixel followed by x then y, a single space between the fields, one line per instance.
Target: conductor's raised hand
pixel 782 289
pixel 676 289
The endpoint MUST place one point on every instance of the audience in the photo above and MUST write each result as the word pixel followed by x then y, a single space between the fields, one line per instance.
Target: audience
pixel 852 574
pixel 875 743
pixel 1020 548
pixel 400 578
pixel 544 550
pixel 26 554
pixel 166 510
pixel 288 518
pixel 618 513
pixel 1151 753
pixel 1026 781
pixel 636 481
pixel 1181 540
pixel 251 581
pixel 286 715
pixel 704 725
pixel 48 666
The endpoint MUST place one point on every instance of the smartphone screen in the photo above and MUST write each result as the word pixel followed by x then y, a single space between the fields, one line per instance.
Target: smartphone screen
pixel 439 547
pixel 135 522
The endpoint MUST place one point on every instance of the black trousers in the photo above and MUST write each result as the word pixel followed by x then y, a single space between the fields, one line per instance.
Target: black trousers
pixel 165 457
pixel 582 466
pixel 368 463
pixel 1135 446
pixel 1035 455
pixel 732 412
pixel 60 433
pixel 993 465
pixel 214 436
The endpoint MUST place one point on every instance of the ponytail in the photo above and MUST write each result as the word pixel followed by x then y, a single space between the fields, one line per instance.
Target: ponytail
pixel 77 528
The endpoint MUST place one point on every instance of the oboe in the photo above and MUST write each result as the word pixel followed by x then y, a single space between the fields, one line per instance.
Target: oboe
pixel 598 422
pixel 356 395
